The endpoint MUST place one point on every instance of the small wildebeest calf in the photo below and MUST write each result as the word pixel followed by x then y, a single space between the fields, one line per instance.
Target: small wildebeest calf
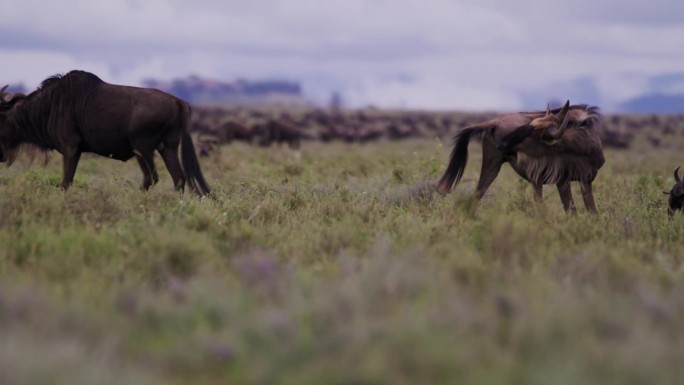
pixel 78 113
pixel 553 147
pixel 676 200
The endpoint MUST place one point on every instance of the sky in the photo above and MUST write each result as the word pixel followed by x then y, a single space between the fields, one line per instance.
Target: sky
pixel 428 54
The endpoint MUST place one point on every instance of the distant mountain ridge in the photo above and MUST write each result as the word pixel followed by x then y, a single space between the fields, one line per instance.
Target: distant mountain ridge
pixel 656 103
pixel 196 89
pixel 658 99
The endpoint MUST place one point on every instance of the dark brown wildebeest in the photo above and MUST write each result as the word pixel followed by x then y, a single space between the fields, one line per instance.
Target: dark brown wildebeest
pixel 78 112
pixel 231 130
pixel 676 200
pixel 553 147
pixel 276 131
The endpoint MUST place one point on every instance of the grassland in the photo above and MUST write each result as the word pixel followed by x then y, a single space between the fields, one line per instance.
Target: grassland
pixel 336 265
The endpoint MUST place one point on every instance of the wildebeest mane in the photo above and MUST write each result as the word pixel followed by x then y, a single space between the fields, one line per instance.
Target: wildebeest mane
pixel 55 102
pixel 556 110
pixel 49 81
pixel 593 115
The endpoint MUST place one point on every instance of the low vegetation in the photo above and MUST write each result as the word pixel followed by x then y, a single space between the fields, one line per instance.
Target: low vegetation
pixel 338 264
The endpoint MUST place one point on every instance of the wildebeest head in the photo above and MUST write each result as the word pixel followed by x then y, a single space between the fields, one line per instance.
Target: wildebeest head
pixel 548 129
pixel 569 125
pixel 676 200
pixel 7 101
pixel 551 127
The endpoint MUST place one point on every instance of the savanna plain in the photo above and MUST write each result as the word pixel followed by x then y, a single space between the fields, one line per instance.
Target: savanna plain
pixel 337 264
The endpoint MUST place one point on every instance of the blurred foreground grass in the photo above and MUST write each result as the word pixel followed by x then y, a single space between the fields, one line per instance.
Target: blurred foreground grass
pixel 338 265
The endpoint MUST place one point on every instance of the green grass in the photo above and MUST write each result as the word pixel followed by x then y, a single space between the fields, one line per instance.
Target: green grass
pixel 338 265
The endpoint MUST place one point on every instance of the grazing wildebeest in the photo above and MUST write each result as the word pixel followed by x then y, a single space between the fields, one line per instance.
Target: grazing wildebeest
pixel 553 147
pixel 78 112
pixel 232 130
pixel 276 131
pixel 676 200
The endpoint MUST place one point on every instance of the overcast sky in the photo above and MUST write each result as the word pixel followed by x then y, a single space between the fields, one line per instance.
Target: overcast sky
pixel 437 54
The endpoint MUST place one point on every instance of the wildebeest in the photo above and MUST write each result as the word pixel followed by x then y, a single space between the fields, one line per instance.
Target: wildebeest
pixel 676 200
pixel 553 147
pixel 276 131
pixel 78 112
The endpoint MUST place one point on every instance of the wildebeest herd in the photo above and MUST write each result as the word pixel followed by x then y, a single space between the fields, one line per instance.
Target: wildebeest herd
pixel 78 112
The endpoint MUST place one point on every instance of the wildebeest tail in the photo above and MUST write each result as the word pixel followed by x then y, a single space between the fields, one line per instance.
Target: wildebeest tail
pixel 459 157
pixel 191 165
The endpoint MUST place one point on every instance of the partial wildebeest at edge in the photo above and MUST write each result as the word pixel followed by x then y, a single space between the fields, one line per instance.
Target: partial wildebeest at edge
pixel 553 147
pixel 78 113
pixel 676 200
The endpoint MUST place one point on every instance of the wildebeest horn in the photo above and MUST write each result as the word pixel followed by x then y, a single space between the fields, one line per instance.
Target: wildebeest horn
pixel 565 117
pixel 548 108
pixel 676 171
pixel 2 93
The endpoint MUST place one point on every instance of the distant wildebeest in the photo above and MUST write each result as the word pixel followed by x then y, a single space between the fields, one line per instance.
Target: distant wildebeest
pixel 366 132
pixel 553 147
pixel 206 144
pixel 78 113
pixel 276 131
pixel 231 130
pixel 676 200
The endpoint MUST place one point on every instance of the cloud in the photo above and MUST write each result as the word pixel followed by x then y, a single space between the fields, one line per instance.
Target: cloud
pixel 31 67
pixel 383 52
pixel 432 93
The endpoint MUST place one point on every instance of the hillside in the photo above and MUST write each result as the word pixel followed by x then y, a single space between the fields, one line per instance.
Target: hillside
pixel 208 91
pixel 655 104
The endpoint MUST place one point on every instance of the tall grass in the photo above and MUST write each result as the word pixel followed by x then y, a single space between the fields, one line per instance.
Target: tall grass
pixel 339 265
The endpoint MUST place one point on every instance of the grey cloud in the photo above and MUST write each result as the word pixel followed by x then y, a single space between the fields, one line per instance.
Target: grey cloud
pixel 444 50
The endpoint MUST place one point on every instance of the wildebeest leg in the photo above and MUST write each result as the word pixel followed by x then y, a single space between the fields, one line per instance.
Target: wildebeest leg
pixel 588 196
pixel 146 162
pixel 170 156
pixel 566 196
pixel 492 160
pixel 69 163
pixel 487 176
